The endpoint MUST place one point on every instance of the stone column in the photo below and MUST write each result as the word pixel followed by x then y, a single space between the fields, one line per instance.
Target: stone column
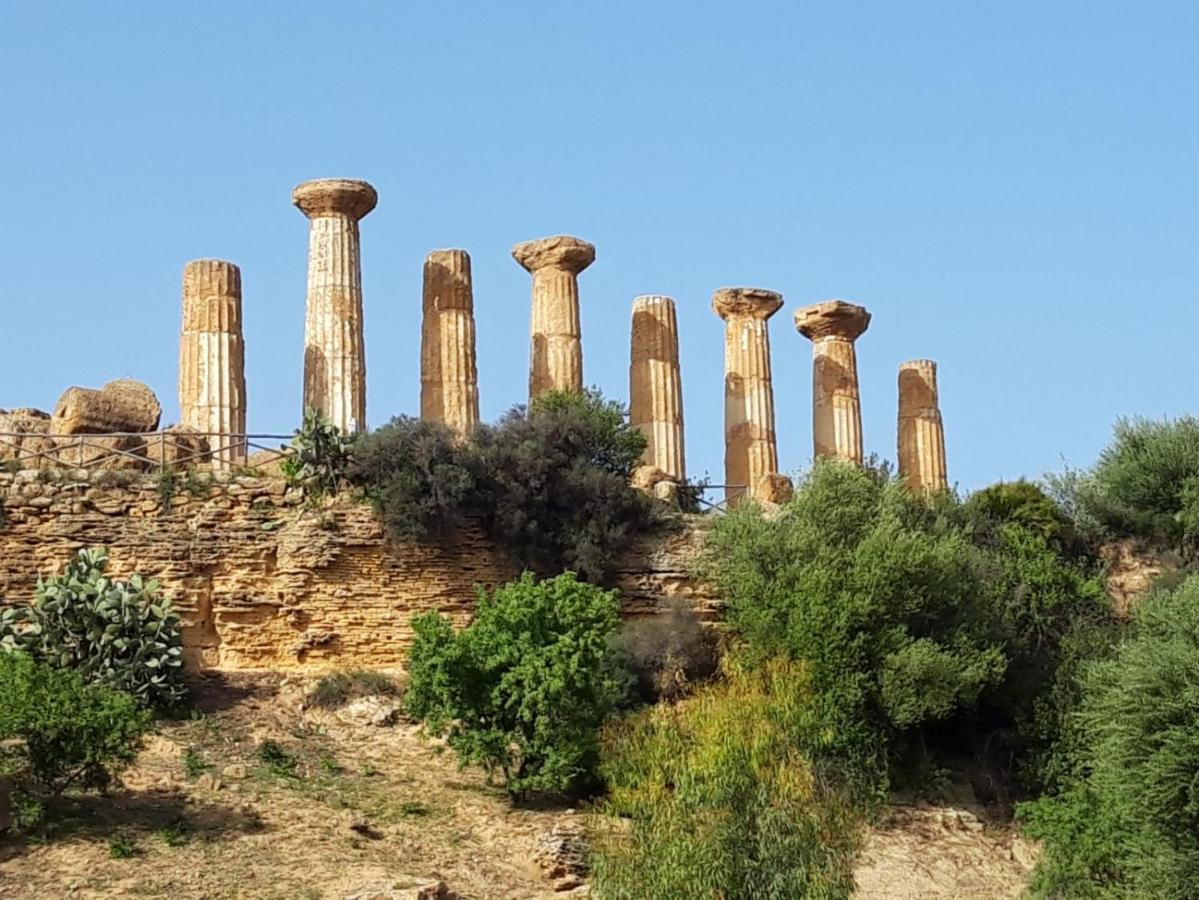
pixel 655 387
pixel 449 390
pixel 212 358
pixel 921 433
pixel 556 354
pixel 832 327
pixel 334 352
pixel 750 453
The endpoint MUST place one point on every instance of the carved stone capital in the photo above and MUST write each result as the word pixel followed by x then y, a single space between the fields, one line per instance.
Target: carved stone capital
pixel 335 197
pixel 757 303
pixel 562 251
pixel 832 319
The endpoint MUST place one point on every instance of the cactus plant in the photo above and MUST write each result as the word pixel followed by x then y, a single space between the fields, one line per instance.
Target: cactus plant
pixel 123 634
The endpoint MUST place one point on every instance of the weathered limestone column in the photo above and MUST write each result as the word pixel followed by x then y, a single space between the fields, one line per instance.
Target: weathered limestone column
pixel 832 327
pixel 655 386
pixel 334 352
pixel 449 390
pixel 212 358
pixel 921 432
pixel 750 453
pixel 556 353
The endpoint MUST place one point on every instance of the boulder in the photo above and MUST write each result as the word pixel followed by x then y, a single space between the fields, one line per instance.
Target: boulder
pixel 120 406
pixel 774 488
pixel 179 446
pixel 645 477
pixel 23 435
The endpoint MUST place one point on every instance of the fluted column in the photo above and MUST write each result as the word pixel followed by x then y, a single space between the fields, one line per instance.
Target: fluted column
pixel 750 452
pixel 556 353
pixel 921 432
pixel 334 350
pixel 832 327
pixel 655 386
pixel 449 390
pixel 212 358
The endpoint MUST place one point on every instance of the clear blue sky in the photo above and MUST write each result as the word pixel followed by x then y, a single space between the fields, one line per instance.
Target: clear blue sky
pixel 1012 188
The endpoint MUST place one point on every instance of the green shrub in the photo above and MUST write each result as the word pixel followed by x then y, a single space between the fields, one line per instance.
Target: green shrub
pixel 715 797
pixel 1021 503
pixel 337 689
pixel 669 653
pixel 320 455
pixel 277 761
pixel 74 735
pixel 113 632
pixel 611 443
pixel 1129 824
pixel 524 687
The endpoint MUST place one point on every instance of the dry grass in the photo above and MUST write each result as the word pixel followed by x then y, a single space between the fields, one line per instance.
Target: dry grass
pixel 366 808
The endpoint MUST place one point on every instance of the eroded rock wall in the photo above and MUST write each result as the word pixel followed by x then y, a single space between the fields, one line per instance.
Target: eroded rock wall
pixel 264 582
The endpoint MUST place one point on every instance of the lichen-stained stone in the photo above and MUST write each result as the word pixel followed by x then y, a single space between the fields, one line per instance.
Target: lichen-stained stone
pixel 556 350
pixel 832 327
pixel 655 384
pixel 334 348
pixel 124 405
pixel 449 389
pixel 921 434
pixel 750 451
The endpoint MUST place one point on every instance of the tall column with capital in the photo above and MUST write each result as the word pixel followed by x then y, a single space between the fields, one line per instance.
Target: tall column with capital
pixel 334 349
pixel 921 432
pixel 655 386
pixel 212 358
pixel 449 389
pixel 750 452
pixel 832 327
pixel 556 353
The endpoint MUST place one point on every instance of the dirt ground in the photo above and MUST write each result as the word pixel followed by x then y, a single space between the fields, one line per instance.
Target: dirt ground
pixel 355 810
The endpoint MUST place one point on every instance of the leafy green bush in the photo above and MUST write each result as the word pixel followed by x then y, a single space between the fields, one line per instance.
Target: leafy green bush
pixel 1146 482
pixel 1128 825
pixel 320 455
pixel 417 475
pixel 113 632
pixel 1020 503
pixel 716 797
pixel 524 687
pixel 670 653
pixel 74 735
pixel 611 443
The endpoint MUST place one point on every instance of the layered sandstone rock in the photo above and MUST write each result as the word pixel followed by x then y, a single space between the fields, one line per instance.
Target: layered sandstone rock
pixel 921 433
pixel 212 369
pixel 655 384
pixel 556 351
pixel 24 435
pixel 334 348
pixel 750 451
pixel 449 389
pixel 124 405
pixel 179 446
pixel 832 327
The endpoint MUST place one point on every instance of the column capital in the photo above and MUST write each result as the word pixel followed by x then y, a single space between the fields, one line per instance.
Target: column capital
pixel 757 303
pixel 335 196
pixel 561 251
pixel 832 319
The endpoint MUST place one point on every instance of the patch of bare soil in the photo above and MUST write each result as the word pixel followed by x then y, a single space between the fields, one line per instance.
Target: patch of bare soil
pixel 349 808
pixel 927 853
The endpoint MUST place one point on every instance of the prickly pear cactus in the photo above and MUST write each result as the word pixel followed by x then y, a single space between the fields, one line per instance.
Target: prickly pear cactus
pixel 119 633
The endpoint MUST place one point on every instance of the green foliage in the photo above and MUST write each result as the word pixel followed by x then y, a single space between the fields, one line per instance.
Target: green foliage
pixel 1128 825
pixel 668 654
pixel 417 475
pixel 320 455
pixel 277 761
pixel 119 633
pixel 1021 503
pixel 337 689
pixel 524 687
pixel 122 848
pixel 549 486
pixel 193 763
pixel 716 797
pixel 74 734
pixel 1146 482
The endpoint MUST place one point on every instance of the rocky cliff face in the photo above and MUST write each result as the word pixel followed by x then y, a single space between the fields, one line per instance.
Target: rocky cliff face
pixel 264 582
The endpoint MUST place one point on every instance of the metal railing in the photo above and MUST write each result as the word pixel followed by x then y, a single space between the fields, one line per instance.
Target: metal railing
pixel 721 496
pixel 147 451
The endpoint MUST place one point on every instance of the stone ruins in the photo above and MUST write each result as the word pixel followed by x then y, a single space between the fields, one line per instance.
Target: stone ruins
pixel 212 384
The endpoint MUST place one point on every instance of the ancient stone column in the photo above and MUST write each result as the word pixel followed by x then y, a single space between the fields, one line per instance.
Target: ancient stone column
pixel 832 327
pixel 921 433
pixel 449 390
pixel 655 387
pixel 334 352
pixel 750 453
pixel 556 353
pixel 212 358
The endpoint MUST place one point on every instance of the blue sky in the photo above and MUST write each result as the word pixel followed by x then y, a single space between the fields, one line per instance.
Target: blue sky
pixel 1012 189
